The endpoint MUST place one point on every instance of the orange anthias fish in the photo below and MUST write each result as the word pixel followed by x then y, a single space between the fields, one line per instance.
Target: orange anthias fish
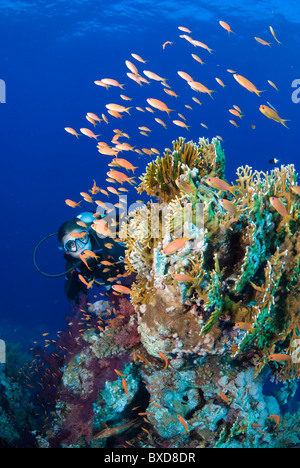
pixel 262 41
pixel 182 277
pixel 220 184
pixel 120 177
pixel 272 114
pixel 296 189
pixel 184 423
pixel 276 418
pixel 72 204
pixel 72 131
pixel 279 207
pixel 228 206
pixel 117 108
pixel 153 76
pixel 196 86
pixel 164 358
pixel 226 27
pixel 87 132
pixel 125 386
pixel 166 43
pixel 83 280
pixel 274 35
pixel 179 123
pixel 159 105
pixel 243 326
pixel 121 289
pixel 111 82
pixel 246 84
pixel 279 357
pixel 138 58
pixel 175 245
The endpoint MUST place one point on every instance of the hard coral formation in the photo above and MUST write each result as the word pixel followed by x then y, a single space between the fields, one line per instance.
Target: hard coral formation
pixel 243 263
pixel 185 363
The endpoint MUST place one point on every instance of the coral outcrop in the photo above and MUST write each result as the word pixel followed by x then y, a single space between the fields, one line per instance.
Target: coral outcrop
pixel 213 314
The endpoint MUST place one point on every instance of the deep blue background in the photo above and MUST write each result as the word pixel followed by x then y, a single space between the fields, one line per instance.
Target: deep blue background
pixel 51 54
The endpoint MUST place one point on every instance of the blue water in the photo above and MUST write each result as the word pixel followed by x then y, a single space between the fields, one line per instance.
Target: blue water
pixel 50 55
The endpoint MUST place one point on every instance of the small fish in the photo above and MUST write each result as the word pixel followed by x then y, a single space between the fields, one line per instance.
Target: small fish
pixel 226 27
pixel 273 84
pixel 175 245
pixel 202 45
pixel 125 98
pixel 138 58
pixel 159 105
pixel 236 113
pixel 247 84
pixel 121 289
pixel 119 373
pixel 120 177
pixel 198 59
pixel 131 67
pixel 87 284
pixel 72 204
pixel 185 76
pixel 220 184
pixel 233 122
pixel 153 76
pixel 185 186
pixel 72 131
pixel 295 189
pixel 274 161
pixel 184 423
pixel 204 125
pixel 111 82
pixel 164 358
pixel 228 206
pixel 179 123
pixel 125 386
pixel 182 277
pixel 166 43
pixel 117 108
pixel 182 28
pixel 272 114
pixel 276 418
pixel 197 101
pixel 224 397
pixel 197 86
pixel 279 357
pixel 262 41
pixel 279 207
pixel 243 326
pixel 87 132
pixel 274 35
pixel 218 80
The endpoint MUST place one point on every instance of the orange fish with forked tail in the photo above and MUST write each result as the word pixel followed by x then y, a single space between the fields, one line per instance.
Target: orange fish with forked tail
pixel 246 84
pixel 272 114
pixel 226 27
pixel 159 105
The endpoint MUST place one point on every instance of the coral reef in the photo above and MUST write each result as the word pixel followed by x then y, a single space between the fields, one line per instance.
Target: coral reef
pixel 213 314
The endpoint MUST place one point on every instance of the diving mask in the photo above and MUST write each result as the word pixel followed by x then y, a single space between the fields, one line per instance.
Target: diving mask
pixel 73 245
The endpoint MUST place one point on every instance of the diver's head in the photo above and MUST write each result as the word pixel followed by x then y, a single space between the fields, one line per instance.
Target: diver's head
pixel 74 238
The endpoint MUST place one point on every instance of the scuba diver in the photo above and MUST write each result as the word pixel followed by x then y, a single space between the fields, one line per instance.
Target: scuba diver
pixel 81 270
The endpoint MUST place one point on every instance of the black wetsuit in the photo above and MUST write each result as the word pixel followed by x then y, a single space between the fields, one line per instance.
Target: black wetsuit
pixel 73 285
